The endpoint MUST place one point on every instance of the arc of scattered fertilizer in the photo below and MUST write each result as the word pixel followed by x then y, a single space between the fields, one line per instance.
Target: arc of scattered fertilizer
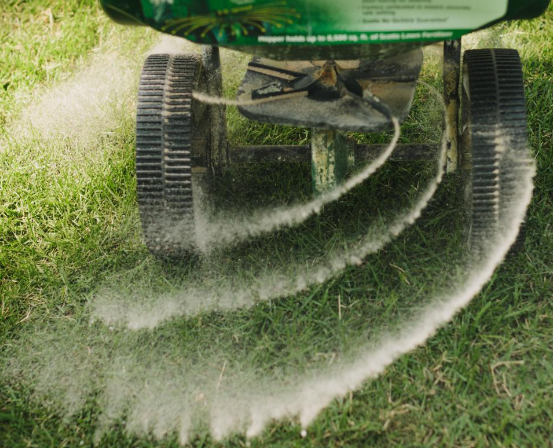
pixel 267 287
pixel 229 233
pixel 369 244
pixel 312 395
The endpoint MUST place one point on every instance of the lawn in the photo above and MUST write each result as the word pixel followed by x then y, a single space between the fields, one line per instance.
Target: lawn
pixel 70 249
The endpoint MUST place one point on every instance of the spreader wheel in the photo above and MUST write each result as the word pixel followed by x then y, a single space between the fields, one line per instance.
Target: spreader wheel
pixel 165 127
pixel 493 124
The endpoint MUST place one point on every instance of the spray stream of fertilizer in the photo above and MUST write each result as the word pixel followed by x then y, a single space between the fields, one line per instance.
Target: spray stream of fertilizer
pixel 181 377
pixel 136 313
pixel 229 230
pixel 158 386
pixel 314 395
pixel 252 406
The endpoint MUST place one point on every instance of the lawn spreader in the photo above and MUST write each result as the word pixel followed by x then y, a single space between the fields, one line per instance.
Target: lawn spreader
pixel 333 67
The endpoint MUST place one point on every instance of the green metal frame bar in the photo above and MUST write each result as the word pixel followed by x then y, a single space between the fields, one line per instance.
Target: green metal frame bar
pixel 329 159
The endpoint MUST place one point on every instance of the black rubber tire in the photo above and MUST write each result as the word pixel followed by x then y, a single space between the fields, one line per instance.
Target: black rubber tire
pixel 164 133
pixel 494 110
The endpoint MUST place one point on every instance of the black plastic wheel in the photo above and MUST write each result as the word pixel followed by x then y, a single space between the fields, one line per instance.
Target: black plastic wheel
pixel 494 114
pixel 165 126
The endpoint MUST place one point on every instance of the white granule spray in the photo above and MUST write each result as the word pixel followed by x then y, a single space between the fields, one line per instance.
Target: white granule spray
pixel 180 378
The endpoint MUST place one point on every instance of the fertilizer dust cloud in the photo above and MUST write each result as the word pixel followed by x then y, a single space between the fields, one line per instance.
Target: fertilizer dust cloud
pixel 206 293
pixel 93 101
pixel 211 353
pixel 84 109
pixel 213 290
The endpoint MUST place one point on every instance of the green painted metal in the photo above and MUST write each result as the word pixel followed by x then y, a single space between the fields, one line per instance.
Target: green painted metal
pixel 330 157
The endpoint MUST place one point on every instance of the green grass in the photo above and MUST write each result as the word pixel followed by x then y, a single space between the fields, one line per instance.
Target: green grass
pixel 68 224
